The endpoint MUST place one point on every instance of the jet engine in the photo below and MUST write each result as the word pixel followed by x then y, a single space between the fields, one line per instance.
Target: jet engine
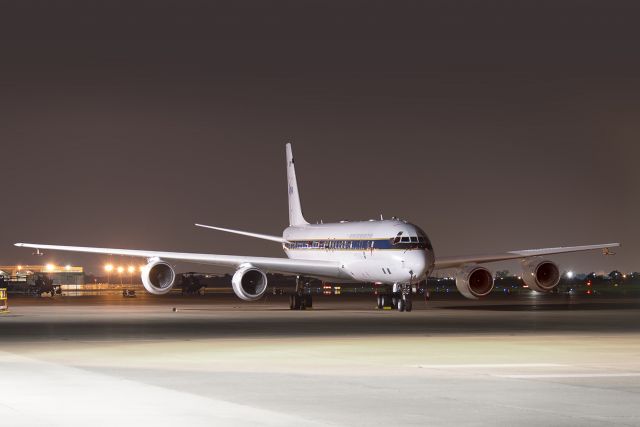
pixel 474 281
pixel 158 277
pixel 540 274
pixel 249 283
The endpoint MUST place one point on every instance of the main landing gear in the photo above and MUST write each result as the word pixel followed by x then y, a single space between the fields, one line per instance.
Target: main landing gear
pixel 301 299
pixel 400 299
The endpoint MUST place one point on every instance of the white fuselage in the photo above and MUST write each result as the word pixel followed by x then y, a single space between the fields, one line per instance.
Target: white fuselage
pixel 385 251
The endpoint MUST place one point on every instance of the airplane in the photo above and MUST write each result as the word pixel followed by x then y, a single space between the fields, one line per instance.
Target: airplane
pixel 392 253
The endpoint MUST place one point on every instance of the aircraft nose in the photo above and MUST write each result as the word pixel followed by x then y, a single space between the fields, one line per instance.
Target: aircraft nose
pixel 422 263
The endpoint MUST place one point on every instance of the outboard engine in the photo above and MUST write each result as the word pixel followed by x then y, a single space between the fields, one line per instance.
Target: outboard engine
pixel 158 277
pixel 540 274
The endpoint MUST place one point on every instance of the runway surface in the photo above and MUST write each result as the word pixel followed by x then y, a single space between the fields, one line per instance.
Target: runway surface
pixel 107 360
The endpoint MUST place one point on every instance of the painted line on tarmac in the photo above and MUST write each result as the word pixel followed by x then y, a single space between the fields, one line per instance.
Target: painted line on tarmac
pixel 533 376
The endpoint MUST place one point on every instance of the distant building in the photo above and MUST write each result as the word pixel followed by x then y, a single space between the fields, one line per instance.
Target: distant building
pixel 61 275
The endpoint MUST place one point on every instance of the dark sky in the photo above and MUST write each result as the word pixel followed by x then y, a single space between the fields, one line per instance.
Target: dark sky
pixel 494 125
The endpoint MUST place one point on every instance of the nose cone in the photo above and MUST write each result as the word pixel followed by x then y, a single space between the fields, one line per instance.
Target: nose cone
pixel 421 263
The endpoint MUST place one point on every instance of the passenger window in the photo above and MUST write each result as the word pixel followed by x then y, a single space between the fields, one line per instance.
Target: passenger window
pixel 405 239
pixel 414 239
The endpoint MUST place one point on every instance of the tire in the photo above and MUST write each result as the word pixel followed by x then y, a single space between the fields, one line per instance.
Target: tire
pixel 400 304
pixel 379 302
pixel 385 301
pixel 308 301
pixel 408 305
pixel 292 302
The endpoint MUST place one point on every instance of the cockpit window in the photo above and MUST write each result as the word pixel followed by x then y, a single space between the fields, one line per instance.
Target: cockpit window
pixel 421 241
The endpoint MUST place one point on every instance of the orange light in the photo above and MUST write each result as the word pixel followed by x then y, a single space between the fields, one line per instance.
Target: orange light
pixel 108 267
pixel 120 269
pixel 131 269
pixel 50 267
pixel 67 267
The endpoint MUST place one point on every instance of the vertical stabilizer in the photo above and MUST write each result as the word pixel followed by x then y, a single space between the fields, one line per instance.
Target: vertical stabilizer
pixel 295 210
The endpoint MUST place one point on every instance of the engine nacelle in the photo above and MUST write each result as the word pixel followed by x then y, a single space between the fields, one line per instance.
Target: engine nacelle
pixel 158 277
pixel 540 274
pixel 249 283
pixel 474 281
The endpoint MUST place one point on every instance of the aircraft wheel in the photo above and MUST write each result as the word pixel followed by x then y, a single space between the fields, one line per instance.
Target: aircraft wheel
pixel 379 302
pixel 292 302
pixel 308 301
pixel 386 301
pixel 400 305
pixel 408 305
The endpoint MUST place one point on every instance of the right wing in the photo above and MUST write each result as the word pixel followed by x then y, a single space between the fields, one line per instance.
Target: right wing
pixel 274 265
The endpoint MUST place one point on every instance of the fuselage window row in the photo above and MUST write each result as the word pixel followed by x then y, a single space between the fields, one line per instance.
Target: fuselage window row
pixel 393 243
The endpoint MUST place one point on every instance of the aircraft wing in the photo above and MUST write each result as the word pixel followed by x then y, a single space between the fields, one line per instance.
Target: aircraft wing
pixel 274 265
pixel 457 261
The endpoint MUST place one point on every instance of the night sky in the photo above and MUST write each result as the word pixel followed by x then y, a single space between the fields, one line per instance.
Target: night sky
pixel 495 125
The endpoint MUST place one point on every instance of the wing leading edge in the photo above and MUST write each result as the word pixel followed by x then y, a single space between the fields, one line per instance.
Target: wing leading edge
pixel 457 261
pixel 275 265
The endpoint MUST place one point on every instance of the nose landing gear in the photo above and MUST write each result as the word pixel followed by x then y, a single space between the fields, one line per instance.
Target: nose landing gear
pixel 400 299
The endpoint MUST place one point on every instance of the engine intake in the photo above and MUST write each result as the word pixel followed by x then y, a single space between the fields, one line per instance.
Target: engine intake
pixel 540 274
pixel 474 281
pixel 158 277
pixel 249 283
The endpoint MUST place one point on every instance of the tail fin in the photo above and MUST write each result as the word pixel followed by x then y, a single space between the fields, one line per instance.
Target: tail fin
pixel 295 210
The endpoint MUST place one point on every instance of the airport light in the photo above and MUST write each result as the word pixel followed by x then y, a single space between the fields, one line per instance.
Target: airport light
pixel 140 268
pixel 19 267
pixel 67 267
pixel 569 274
pixel 108 268
pixel 131 269
pixel 49 267
pixel 120 269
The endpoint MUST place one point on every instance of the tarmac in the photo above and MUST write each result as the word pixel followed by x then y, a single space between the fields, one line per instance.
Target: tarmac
pixel 215 361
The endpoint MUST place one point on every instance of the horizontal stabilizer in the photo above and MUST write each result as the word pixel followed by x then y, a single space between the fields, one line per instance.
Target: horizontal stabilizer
pixel 246 233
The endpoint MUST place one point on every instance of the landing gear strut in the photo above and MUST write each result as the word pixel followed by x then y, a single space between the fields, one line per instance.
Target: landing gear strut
pixel 301 299
pixel 403 296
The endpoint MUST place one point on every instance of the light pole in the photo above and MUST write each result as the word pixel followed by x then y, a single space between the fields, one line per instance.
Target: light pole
pixel 108 268
pixel 131 269
pixel 120 271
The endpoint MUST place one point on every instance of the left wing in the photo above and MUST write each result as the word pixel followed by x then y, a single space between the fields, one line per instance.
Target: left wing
pixel 457 261
pixel 275 265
